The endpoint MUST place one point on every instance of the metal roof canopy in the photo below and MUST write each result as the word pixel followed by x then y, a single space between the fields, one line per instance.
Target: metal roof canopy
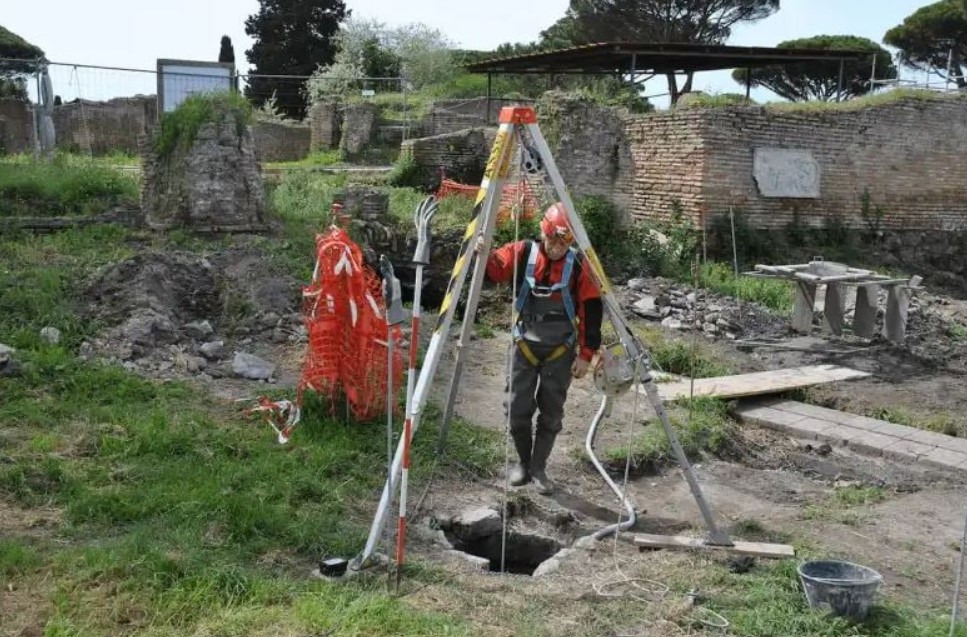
pixel 634 58
pixel 643 57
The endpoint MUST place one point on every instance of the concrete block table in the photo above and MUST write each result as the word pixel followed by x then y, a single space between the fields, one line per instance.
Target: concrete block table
pixel 835 276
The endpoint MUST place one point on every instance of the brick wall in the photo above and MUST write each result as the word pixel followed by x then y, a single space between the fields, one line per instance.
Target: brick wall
pixel 324 123
pixel 463 154
pixel 449 116
pixel 667 151
pixel 281 142
pixel 907 154
pixel 103 127
pixel 591 147
pixel 16 127
pixel 359 125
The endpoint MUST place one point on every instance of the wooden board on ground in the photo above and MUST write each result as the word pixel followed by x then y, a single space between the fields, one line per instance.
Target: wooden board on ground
pixel 771 382
pixel 757 549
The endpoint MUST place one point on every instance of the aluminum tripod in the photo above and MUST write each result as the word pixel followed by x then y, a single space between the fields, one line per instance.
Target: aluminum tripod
pixel 627 359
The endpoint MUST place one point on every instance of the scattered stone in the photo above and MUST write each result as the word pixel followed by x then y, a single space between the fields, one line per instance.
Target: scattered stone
pixel 638 285
pixel 270 319
pixel 553 564
pixel 645 307
pixel 279 335
pixel 481 563
pixel 252 367
pixel 199 329
pixel 50 335
pixel 8 366
pixel 671 323
pixel 213 350
pixel 681 307
pixel 195 364
pixel 6 349
pixel 474 524
pixel 85 351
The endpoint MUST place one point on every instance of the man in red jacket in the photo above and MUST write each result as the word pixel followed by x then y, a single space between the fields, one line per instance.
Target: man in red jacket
pixel 557 330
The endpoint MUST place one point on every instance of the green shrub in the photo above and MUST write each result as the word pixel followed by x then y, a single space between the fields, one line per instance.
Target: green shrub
pixel 406 173
pixel 796 231
pixel 704 100
pixel 774 294
pixel 751 245
pixel 64 186
pixel 705 428
pixel 601 219
pixel 180 127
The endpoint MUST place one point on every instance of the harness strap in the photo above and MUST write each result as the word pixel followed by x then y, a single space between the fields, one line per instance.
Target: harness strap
pixel 532 358
pixel 563 286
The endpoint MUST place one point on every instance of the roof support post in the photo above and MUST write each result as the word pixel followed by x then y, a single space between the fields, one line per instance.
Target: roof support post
pixel 839 87
pixel 748 82
pixel 634 86
pixel 489 78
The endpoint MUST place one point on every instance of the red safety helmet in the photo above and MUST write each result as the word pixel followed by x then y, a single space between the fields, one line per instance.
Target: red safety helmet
pixel 555 224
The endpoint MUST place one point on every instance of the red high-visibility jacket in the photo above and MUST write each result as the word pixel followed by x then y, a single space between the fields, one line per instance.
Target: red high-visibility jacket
pixel 587 298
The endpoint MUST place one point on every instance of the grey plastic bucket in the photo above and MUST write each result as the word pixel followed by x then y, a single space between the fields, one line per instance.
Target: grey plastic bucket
pixel 846 588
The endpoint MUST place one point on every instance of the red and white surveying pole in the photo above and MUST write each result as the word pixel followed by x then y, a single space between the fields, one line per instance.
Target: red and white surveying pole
pixel 421 258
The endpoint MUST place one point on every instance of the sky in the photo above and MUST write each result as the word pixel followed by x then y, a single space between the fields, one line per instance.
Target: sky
pixel 122 33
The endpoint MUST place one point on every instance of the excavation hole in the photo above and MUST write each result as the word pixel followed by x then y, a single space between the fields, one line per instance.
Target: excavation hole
pixel 524 552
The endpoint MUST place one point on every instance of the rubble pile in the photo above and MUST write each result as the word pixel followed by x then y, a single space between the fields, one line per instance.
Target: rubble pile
pixel 171 314
pixel 680 307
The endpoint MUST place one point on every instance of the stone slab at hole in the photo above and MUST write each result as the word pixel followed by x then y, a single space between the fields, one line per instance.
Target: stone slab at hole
pixel 524 552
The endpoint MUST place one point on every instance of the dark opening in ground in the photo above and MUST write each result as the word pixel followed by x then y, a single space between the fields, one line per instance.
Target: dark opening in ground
pixel 523 553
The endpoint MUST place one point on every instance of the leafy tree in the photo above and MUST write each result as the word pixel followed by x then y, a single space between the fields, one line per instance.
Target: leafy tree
pixel 379 61
pixel 426 54
pixel 368 48
pixel 933 36
pixel 292 37
pixel 683 21
pixel 226 53
pixel 819 79
pixel 19 60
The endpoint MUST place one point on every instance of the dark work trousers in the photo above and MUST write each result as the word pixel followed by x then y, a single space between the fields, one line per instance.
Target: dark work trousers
pixel 542 389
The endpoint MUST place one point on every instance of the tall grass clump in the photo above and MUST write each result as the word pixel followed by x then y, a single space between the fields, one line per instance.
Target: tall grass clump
pixel 65 185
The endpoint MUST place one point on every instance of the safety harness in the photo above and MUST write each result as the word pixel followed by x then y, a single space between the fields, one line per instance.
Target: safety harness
pixel 529 286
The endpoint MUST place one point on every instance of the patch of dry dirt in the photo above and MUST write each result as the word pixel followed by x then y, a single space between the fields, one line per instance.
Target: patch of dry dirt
pixel 779 482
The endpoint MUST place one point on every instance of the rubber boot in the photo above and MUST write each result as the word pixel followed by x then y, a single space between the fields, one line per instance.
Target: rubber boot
pixel 543 444
pixel 520 474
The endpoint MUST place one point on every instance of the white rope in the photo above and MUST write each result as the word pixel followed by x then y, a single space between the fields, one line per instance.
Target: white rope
pixel 518 209
pixel 700 615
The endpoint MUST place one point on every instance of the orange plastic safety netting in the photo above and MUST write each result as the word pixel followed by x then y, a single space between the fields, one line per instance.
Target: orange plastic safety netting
pixel 510 196
pixel 345 316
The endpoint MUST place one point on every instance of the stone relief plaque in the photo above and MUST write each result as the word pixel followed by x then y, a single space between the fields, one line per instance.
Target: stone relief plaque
pixel 781 172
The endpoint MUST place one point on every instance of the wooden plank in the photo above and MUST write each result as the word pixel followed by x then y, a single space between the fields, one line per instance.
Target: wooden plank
pixel 758 549
pixel 758 383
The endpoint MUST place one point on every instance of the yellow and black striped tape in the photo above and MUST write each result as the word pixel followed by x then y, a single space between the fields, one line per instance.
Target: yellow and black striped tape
pixel 598 270
pixel 495 165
